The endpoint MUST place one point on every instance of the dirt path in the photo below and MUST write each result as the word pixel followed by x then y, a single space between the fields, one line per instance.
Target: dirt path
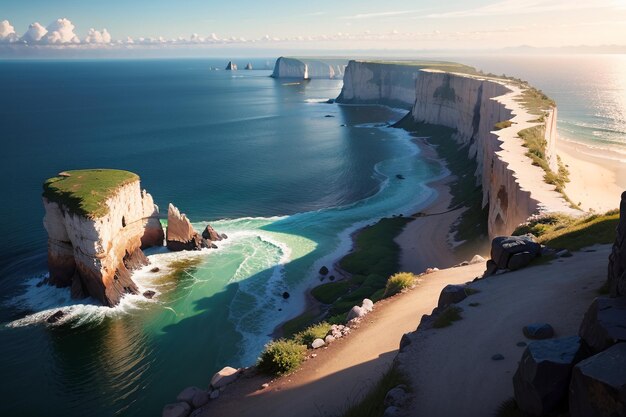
pixel 455 362
pixel 342 373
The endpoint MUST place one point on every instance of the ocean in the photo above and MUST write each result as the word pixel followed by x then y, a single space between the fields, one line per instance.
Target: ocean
pixel 285 175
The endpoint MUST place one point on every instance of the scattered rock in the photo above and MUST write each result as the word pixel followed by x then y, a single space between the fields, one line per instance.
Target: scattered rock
pixel 214 394
pixel 266 385
pixel 200 398
pixel 431 270
pixel 149 294
pixel 563 254
pixel 155 269
pixel 181 409
pixel 497 357
pixel 318 343
pixel 451 294
pixel 598 386
pixel 329 339
pixel 400 176
pixel 542 377
pixel 477 259
pixel 286 295
pixel 323 270
pixel 356 312
pixel 538 331
pixel 604 323
pixel 210 234
pixel 332 277
pixel 53 318
pixel 367 305
pixel 329 115
pixel 224 236
pixel 187 394
pixel 514 252
pixel 224 377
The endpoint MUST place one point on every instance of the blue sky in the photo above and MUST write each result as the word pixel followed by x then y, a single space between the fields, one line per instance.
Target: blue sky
pixel 322 24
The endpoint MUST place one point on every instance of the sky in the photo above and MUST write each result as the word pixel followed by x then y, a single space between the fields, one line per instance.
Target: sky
pixel 319 25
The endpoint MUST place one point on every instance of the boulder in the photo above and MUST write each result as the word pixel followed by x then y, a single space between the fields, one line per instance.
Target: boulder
pixel 53 318
pixel 149 294
pixel 355 312
pixel 367 304
pixel 492 268
pixel 604 323
pixel 514 252
pixel 318 343
pixel 391 411
pixel 598 386
pixel 180 233
pixel 329 339
pixel 396 396
pixel 542 377
pixel 187 394
pixel 200 398
pixel 323 270
pixel 180 409
pixel 477 259
pixel 286 295
pixel 209 233
pixel 451 294
pixel 225 376
pixel 214 394
pixel 617 259
pixel 538 331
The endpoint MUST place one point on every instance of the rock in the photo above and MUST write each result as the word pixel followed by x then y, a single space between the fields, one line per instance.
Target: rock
pixel 329 115
pixel 180 233
pixel 248 66
pixel 286 295
pixel 355 312
pixel 397 397
pixel 367 305
pixel 181 409
pixel 225 376
pixel 604 323
pixel 598 386
pixel 514 252
pixel 155 269
pixel 329 339
pixel 224 236
pixel 431 270
pixel 563 254
pixel 400 176
pixel 330 101
pixel 451 294
pixel 405 341
pixel 200 398
pixel 210 234
pixel 214 394
pixel 149 294
pixel 521 344
pixel 332 277
pixel 266 385
pixel 318 343
pixel 477 259
pixel 55 317
pixel 391 411
pixel 323 270
pixel 617 258
pixel 187 394
pixel 497 357
pixel 542 377
pixel 231 66
pixel 492 268
pixel 538 331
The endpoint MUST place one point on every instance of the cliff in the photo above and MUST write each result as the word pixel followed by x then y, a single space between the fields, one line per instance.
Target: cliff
pixel 308 68
pixel 513 188
pixel 97 222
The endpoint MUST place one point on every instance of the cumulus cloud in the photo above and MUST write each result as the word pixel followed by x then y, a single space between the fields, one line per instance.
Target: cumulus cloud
pixel 95 36
pixel 61 31
pixel 7 32
pixel 34 33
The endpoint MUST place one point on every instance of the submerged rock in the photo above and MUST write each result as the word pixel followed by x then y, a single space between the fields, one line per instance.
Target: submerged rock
pixel 149 294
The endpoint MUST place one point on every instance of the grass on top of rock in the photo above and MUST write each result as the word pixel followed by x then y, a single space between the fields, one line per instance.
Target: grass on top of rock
pixel 398 282
pixel 281 357
pixel 561 231
pixel 86 191
pixel 372 405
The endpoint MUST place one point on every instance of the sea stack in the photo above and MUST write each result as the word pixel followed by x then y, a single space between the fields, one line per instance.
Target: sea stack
pixel 98 221
pixel 180 233
pixel 248 66
pixel 231 66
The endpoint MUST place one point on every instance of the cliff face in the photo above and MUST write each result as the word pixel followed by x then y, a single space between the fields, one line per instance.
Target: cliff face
pixel 302 68
pixel 513 188
pixel 95 255
pixel 377 83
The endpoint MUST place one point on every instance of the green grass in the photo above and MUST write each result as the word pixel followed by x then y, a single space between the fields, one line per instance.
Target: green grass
pixel 398 282
pixel 85 192
pixel 535 101
pixel 281 357
pixel 372 405
pixel 299 323
pixel 329 293
pixel 447 317
pixel 316 331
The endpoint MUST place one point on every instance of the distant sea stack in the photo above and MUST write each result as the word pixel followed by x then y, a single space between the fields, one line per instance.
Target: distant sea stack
pixel 308 68
pixel 97 222
pixel 248 66
pixel 231 66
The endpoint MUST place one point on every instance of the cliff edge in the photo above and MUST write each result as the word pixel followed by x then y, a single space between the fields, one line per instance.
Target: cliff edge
pixel 98 221
pixel 307 68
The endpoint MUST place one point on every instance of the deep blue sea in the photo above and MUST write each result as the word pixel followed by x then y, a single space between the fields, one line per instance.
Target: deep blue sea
pixel 285 175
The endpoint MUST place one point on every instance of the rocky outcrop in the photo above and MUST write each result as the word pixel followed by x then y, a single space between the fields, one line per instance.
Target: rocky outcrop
pixel 513 252
pixel 617 259
pixel 180 233
pixel 308 68
pixel 231 66
pixel 94 254
pixel 248 66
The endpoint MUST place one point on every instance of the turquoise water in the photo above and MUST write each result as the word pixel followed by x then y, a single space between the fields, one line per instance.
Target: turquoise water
pixel 256 157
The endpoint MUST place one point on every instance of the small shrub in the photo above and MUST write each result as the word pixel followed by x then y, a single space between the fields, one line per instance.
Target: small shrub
pixel 316 331
pixel 281 357
pixel 329 293
pixel 447 316
pixel 337 319
pixel 398 282
pixel 503 124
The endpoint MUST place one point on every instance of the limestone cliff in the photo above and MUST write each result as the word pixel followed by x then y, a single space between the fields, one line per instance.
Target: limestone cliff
pixel 513 188
pixel 307 68
pixel 95 238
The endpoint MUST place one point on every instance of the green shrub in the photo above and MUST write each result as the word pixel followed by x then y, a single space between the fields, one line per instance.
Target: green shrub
pixel 316 331
pixel 281 357
pixel 337 319
pixel 328 293
pixel 447 316
pixel 502 125
pixel 398 282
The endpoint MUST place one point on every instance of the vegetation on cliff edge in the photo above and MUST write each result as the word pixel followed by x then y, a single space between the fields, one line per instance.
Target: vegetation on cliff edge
pixel 86 191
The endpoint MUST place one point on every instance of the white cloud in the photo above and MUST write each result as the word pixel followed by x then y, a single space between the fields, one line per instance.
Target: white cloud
pixel 509 7
pixel 60 31
pixel 7 32
pixel 382 14
pixel 95 36
pixel 34 33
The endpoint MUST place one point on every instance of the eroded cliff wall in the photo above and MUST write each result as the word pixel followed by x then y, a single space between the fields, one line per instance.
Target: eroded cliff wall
pixel 95 255
pixel 308 68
